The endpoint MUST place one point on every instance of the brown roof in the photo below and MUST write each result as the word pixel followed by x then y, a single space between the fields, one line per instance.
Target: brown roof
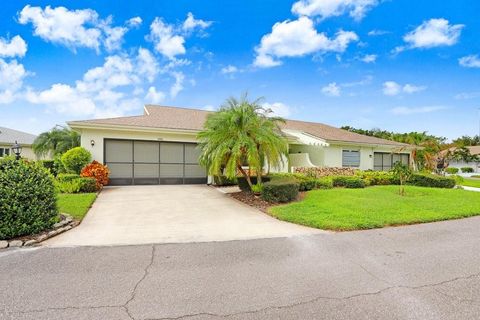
pixel 193 119
pixel 474 150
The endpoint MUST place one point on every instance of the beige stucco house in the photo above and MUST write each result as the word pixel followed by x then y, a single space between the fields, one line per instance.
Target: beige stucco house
pixel 159 147
pixel 25 140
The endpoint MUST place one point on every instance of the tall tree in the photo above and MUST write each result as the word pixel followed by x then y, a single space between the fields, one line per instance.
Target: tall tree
pixel 56 141
pixel 241 133
pixel 466 141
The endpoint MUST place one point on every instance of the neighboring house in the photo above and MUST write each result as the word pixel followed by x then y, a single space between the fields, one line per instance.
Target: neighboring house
pixel 160 146
pixel 8 138
pixel 452 163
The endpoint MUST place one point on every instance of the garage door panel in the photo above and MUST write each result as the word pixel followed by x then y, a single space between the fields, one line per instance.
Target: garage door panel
pixel 118 151
pixel 194 171
pixel 146 151
pixel 171 170
pixel 171 152
pixel 191 153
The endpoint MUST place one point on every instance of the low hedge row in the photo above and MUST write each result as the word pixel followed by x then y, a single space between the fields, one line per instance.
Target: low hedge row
pixel 348 182
pixel 280 190
pixel 430 180
pixel 74 183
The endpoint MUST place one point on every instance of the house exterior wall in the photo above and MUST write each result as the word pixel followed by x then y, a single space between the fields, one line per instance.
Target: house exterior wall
pixel 27 152
pixel 316 153
pixel 461 164
pixel 98 135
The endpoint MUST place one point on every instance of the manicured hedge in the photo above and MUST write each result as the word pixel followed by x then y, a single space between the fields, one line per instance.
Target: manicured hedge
pixel 280 190
pixel 451 170
pixel 430 180
pixel 467 169
pixel 27 198
pixel 324 183
pixel 348 182
pixel 75 159
pixel 380 178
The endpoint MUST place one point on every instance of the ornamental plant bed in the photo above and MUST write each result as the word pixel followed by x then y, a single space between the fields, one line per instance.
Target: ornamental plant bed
pixel 256 201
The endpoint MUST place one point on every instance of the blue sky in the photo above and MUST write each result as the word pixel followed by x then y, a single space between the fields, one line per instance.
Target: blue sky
pixel 399 65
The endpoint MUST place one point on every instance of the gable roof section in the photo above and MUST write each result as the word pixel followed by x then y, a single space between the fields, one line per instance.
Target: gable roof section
pixel 9 136
pixel 193 120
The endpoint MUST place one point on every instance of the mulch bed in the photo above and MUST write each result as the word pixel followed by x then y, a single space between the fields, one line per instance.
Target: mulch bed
pixel 257 202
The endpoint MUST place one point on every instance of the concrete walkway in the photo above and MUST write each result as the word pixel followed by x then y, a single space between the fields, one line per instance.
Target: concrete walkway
pixel 171 214
pixel 471 188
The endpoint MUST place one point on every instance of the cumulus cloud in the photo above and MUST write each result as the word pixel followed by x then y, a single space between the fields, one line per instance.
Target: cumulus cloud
pixel 12 75
pixel 369 58
pixel 153 96
pixel 166 41
pixel 405 111
pixel 178 85
pixel 278 109
pixel 191 24
pixel 432 33
pixel 377 32
pixel 229 69
pixel 16 47
pixel 74 28
pixel 332 90
pixel 134 22
pixel 331 8
pixel 392 88
pixel 298 38
pixel 471 61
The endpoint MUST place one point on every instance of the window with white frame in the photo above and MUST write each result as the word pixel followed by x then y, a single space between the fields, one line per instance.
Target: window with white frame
pixel 4 152
pixel 350 158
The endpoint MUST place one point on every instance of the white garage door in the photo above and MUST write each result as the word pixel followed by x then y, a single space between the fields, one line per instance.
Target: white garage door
pixel 153 162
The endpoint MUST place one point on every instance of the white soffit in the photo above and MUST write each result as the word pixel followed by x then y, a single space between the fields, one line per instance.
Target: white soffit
pixel 305 138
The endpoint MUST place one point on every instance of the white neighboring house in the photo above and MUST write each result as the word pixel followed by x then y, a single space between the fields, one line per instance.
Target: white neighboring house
pixel 159 147
pixel 474 150
pixel 25 140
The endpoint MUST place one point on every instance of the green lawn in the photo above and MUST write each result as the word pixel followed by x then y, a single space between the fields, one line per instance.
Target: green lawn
pixel 376 207
pixel 76 204
pixel 469 182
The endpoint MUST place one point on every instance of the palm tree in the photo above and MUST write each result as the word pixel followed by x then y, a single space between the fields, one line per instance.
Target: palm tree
pixel 56 141
pixel 241 132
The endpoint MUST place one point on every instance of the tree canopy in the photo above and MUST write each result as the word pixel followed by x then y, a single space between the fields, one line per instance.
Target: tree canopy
pixel 56 141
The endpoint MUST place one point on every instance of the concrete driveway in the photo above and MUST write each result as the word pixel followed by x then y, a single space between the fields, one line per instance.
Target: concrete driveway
pixel 171 214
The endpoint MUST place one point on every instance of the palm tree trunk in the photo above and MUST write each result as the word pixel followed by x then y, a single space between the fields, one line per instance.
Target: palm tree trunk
pixel 247 176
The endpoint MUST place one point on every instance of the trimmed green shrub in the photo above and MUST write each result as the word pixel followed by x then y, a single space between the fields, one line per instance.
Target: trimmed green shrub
pixel 351 182
pixel 27 199
pixel 243 184
pixel 65 177
pixel 88 184
pixel 75 159
pixel 224 181
pixel 380 178
pixel 475 176
pixel 280 190
pixel 467 169
pixel 70 186
pixel 451 170
pixel 430 180
pixel 324 183
pixel 305 182
pixel 49 165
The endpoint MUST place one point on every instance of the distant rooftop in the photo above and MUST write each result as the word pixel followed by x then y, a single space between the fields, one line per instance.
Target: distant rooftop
pixel 9 136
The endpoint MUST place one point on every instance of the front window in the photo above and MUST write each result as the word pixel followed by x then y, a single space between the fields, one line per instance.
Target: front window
pixel 4 152
pixel 386 161
pixel 350 158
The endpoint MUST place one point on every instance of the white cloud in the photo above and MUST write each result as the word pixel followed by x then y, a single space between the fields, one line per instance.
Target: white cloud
pixel 410 88
pixel 147 65
pixel 404 111
pixel 11 80
pixel 332 90
pixel 432 33
pixel 331 8
pixel 191 24
pixel 166 41
pixel 377 32
pixel 298 38
pixel 16 47
pixel 365 81
pixel 229 69
pixel 369 58
pixel 467 95
pixel 154 96
pixel 278 109
pixel 134 22
pixel 178 85
pixel 471 61
pixel 75 28
pixel 392 88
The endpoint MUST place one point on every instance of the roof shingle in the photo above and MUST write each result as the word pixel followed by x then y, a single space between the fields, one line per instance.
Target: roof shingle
pixel 9 136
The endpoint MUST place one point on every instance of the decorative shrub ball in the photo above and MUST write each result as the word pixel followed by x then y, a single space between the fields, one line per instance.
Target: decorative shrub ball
pixel 27 198
pixel 75 159
pixel 98 171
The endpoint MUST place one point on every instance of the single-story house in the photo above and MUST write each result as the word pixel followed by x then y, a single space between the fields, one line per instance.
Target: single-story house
pixel 159 147
pixel 8 137
pixel 453 163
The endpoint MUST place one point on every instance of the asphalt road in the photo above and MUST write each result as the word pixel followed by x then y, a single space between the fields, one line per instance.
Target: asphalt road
pixel 427 271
